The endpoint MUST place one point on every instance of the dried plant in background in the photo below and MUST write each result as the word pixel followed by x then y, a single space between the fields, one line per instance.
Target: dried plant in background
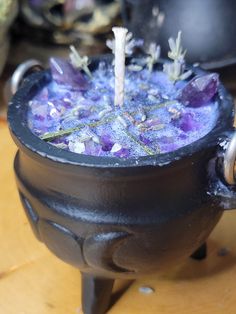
pixel 154 52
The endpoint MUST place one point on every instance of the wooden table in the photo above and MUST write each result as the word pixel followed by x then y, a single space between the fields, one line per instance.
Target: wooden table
pixel 33 281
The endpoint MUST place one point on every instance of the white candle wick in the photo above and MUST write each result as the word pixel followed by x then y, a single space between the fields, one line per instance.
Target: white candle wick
pixel 119 51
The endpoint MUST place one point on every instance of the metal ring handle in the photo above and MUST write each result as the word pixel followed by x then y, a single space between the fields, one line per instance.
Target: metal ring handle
pixel 22 71
pixel 230 161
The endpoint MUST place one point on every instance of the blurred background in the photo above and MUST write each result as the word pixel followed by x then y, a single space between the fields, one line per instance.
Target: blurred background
pixel 39 29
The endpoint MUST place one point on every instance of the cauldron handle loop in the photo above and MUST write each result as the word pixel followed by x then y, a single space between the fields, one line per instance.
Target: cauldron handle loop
pixel 224 188
pixel 229 163
pixel 20 74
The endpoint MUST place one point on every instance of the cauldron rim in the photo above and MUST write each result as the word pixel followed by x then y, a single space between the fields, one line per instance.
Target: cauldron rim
pixel 31 144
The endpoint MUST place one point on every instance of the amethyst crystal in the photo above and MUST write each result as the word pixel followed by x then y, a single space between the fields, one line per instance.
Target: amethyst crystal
pixel 92 148
pixel 64 74
pixel 200 90
pixel 122 153
pixel 187 123
pixel 144 139
pixel 107 143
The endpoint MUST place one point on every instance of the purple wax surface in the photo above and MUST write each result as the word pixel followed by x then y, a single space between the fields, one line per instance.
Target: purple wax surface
pixel 158 116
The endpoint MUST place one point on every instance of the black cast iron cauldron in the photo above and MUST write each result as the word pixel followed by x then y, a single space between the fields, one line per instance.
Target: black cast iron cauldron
pixel 208 26
pixel 116 218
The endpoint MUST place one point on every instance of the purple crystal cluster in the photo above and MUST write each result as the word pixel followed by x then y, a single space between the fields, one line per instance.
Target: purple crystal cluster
pixel 76 113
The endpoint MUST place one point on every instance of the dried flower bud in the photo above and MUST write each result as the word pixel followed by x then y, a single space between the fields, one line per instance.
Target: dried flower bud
pixel 154 52
pixel 130 44
pixel 175 113
pixel 176 50
pixel 176 70
pixel 79 62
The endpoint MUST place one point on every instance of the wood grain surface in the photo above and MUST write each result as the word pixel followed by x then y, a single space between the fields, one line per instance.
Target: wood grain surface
pixel 33 281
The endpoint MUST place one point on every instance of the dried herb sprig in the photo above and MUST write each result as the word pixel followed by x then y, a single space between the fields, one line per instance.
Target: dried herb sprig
pixel 154 52
pixel 176 69
pixel 79 62
pixel 176 50
pixel 132 44
pixel 49 136
pixel 147 149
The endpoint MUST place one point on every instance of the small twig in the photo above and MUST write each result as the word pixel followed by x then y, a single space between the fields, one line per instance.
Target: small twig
pixel 144 128
pixel 122 121
pixel 147 150
pixel 129 117
pixel 53 135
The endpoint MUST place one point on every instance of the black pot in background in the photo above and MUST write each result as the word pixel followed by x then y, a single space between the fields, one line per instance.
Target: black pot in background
pixel 116 218
pixel 208 26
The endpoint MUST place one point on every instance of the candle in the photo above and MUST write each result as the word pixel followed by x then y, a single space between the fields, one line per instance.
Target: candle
pixel 124 112
pixel 120 41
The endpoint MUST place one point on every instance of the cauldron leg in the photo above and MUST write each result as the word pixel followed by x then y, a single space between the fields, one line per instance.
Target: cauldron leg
pixel 200 253
pixel 96 293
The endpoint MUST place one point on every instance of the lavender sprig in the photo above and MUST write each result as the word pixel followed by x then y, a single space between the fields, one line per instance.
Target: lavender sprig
pixel 130 44
pixel 79 62
pixel 154 52
pixel 176 50
pixel 49 136
pixel 176 70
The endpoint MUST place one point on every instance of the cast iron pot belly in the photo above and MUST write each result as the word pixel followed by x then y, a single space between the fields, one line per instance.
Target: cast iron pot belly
pixel 116 218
